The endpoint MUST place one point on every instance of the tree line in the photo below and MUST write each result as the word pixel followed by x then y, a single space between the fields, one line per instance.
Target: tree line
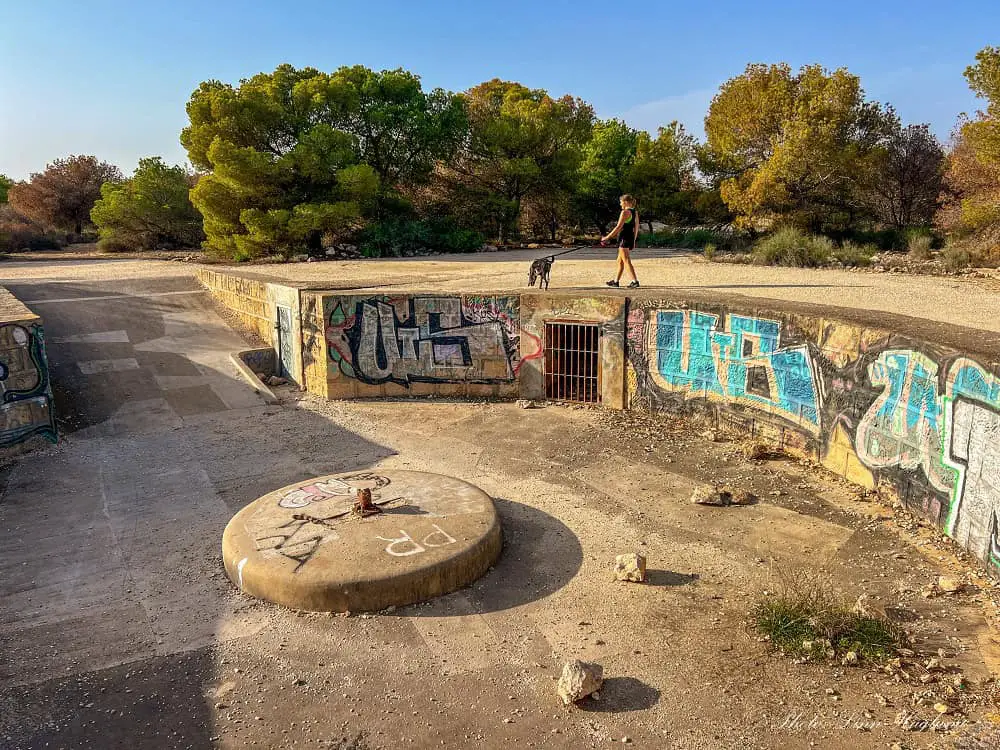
pixel 297 160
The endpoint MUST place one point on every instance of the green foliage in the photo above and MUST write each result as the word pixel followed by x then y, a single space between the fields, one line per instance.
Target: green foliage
pixel 397 237
pixel 5 183
pixel 150 211
pixel 710 250
pixel 853 255
pixel 604 172
pixel 790 246
pixel 791 147
pixel 919 247
pixel 521 143
pixel 285 171
pixel 805 618
pixel 689 239
pixel 663 168
pixel 401 130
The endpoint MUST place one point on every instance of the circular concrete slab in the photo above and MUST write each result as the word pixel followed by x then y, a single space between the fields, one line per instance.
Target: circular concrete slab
pixel 301 546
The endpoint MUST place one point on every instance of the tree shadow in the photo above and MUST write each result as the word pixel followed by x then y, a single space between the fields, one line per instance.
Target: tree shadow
pixel 669 578
pixel 540 555
pixel 621 695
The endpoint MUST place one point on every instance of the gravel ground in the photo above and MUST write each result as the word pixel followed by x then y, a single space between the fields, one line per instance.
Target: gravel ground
pixel 963 302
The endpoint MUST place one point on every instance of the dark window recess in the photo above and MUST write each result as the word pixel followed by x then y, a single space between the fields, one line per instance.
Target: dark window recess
pixel 571 365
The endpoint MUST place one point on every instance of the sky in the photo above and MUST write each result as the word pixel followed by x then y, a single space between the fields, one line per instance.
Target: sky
pixel 112 78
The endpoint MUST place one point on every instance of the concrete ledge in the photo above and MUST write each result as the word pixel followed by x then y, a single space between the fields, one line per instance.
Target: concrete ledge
pixel 240 360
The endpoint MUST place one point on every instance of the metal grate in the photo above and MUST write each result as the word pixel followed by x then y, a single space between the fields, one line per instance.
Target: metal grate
pixel 571 363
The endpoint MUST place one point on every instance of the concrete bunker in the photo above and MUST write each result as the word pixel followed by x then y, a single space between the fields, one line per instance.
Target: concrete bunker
pixel 904 406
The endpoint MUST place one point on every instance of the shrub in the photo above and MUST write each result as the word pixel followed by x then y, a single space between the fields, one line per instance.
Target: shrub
pixel 19 233
pixel 710 251
pixel 398 237
pixel 115 245
pixel 791 247
pixel 956 257
pixel 690 239
pixel 852 255
pixel 805 618
pixel 919 247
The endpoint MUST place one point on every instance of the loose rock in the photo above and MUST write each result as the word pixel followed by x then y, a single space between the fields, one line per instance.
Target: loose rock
pixel 949 585
pixel 630 567
pixel 742 497
pixel 579 679
pixel 708 495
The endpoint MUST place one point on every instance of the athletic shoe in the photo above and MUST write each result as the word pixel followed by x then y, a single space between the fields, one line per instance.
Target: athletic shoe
pixel 611 283
pixel 634 284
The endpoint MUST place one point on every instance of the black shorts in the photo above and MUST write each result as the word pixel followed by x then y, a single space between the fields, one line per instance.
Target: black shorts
pixel 627 245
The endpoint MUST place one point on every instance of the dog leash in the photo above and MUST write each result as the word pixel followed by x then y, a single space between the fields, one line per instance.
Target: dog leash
pixel 574 249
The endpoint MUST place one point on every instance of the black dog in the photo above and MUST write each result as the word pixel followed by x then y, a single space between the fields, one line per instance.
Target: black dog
pixel 540 270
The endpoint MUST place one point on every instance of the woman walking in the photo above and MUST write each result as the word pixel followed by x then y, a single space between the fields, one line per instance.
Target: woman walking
pixel 627 230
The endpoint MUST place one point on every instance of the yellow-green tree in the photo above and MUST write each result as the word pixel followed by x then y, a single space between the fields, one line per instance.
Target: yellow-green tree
pixel 971 201
pixel 294 155
pixel 151 210
pixel 793 147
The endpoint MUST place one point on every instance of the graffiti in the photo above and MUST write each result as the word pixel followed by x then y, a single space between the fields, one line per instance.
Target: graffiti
pixel 903 427
pixel 949 434
pixel 743 363
pixel 342 489
pixel 298 539
pixel 409 547
pixel 25 394
pixel 974 452
pixel 425 339
pixel 869 405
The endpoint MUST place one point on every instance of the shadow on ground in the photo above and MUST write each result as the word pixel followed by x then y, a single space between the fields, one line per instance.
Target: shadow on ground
pixel 669 578
pixel 621 694
pixel 540 555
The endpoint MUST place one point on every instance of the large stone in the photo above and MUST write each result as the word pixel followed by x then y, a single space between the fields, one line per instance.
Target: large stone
pixel 630 567
pixel 579 679
pixel 708 495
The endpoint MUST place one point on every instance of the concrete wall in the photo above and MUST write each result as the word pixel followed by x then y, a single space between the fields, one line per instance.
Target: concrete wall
pixel 255 303
pixel 26 408
pixel 440 344
pixel 607 312
pixel 913 418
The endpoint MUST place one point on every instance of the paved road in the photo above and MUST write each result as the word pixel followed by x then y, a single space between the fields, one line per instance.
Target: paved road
pixel 109 553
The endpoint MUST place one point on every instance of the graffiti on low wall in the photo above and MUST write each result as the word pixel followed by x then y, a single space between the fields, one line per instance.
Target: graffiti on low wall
pixel 945 422
pixel 738 362
pixel 922 422
pixel 25 394
pixel 432 339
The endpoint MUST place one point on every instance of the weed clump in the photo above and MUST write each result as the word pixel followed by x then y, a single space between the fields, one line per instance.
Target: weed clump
pixel 806 619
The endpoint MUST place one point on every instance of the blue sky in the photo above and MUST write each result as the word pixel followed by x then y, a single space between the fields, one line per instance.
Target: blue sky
pixel 111 78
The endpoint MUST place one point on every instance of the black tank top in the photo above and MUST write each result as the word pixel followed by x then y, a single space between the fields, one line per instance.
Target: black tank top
pixel 628 231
